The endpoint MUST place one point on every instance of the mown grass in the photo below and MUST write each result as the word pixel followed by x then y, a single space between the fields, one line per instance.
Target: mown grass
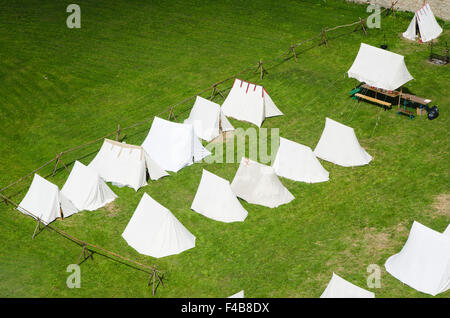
pixel 133 59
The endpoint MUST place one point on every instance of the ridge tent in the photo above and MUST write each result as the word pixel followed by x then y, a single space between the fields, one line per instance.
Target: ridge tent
pixel 86 189
pixel 258 184
pixel 339 145
pixel 173 146
pixel 379 68
pixel 215 200
pixel 424 261
pixel 43 200
pixel 125 165
pixel 207 119
pixel 298 162
pixel 423 26
pixel 238 295
pixel 249 102
pixel 340 288
pixel 154 231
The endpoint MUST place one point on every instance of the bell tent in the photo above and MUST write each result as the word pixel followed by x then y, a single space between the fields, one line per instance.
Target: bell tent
pixel 258 184
pixel 339 145
pixel 173 146
pixel 86 189
pixel 125 165
pixel 44 201
pixel 215 200
pixel 249 102
pixel 208 119
pixel 340 288
pixel 424 261
pixel 423 26
pixel 379 68
pixel 298 162
pixel 154 231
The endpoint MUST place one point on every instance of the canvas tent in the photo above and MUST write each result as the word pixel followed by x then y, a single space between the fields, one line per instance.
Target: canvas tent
pixel 208 119
pixel 173 146
pixel 215 200
pixel 340 288
pixel 249 102
pixel 44 201
pixel 447 231
pixel 339 145
pixel 379 68
pixel 258 184
pixel 424 261
pixel 298 162
pixel 125 165
pixel 423 26
pixel 238 295
pixel 154 231
pixel 86 190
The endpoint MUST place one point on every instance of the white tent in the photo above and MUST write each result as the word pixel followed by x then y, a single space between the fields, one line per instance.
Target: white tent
pixel 215 200
pixel 249 102
pixel 238 295
pixel 208 119
pixel 44 201
pixel 340 288
pixel 339 145
pixel 125 165
pixel 85 188
pixel 379 68
pixel 423 25
pixel 298 162
pixel 173 146
pixel 154 231
pixel 258 184
pixel 424 261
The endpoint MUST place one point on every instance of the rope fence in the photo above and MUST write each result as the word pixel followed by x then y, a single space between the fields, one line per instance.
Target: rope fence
pixel 87 248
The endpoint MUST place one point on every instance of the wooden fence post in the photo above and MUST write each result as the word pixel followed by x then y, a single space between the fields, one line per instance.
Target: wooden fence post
pixel 261 69
pixel 293 52
pixel 362 24
pixel 324 37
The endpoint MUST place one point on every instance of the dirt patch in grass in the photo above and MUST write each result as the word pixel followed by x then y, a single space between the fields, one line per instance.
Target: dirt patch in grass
pixel 112 209
pixel 224 137
pixel 442 204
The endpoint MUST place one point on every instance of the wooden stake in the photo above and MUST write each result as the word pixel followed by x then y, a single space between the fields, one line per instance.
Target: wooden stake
pixel 261 69
pixel 171 114
pixel 38 229
pixel 215 89
pixel 362 24
pixel 293 52
pixel 58 160
pixel 118 132
pixel 85 253
pixel 324 38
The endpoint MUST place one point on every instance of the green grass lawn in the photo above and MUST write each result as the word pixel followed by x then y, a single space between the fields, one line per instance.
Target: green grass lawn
pixel 132 59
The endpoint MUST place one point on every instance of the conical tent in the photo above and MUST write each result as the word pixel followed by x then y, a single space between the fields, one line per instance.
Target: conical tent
pixel 258 184
pixel 207 119
pixel 379 68
pixel 249 102
pixel 238 295
pixel 173 146
pixel 154 231
pixel 125 165
pixel 44 201
pixel 340 288
pixel 339 145
pixel 86 189
pixel 424 261
pixel 423 25
pixel 215 200
pixel 298 162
